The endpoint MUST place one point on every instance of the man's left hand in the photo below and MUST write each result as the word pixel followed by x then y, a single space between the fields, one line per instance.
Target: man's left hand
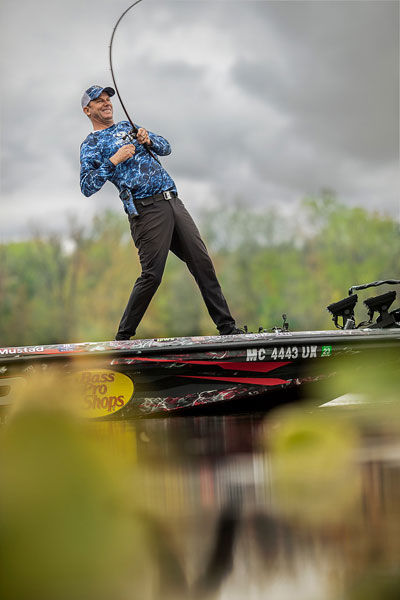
pixel 143 136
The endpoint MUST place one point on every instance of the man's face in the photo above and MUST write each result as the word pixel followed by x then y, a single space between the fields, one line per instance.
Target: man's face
pixel 100 110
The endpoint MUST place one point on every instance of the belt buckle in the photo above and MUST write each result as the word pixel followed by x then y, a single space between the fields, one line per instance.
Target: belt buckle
pixel 167 195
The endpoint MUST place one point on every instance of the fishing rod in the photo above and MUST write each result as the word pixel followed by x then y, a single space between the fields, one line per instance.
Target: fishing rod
pixel 133 133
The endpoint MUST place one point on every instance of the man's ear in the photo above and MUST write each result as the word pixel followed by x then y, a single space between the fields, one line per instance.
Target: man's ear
pixel 86 110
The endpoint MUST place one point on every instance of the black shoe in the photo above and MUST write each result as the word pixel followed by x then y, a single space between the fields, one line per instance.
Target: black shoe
pixel 120 337
pixel 233 331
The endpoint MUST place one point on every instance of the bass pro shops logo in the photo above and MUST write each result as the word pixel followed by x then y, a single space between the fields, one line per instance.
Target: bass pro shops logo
pixel 103 392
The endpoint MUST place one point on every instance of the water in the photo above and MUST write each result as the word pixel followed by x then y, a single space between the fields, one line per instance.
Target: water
pixel 292 504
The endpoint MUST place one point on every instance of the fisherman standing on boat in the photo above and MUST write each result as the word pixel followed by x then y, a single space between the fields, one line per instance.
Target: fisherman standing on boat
pixel 158 220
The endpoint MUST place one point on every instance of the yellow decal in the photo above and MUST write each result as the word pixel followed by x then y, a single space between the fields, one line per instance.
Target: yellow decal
pixel 104 392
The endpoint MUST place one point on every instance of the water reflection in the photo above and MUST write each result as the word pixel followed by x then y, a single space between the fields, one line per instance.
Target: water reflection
pixel 298 503
pixel 285 505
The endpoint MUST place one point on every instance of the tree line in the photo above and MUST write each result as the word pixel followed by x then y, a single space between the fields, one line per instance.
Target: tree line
pixel 55 289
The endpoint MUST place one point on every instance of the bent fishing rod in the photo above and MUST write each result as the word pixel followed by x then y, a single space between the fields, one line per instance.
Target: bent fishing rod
pixel 133 133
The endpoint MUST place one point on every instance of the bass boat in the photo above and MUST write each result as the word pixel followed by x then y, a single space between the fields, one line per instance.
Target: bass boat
pixel 124 379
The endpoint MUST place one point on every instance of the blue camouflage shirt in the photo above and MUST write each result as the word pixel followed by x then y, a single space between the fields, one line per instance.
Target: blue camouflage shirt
pixel 142 174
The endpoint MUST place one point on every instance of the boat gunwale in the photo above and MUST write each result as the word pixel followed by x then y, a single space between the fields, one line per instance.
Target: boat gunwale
pixel 201 344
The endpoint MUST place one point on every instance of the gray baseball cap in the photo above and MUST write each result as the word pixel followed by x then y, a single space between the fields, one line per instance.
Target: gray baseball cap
pixel 94 92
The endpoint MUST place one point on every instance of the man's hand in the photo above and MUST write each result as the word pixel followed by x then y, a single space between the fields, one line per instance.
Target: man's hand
pixel 122 154
pixel 143 137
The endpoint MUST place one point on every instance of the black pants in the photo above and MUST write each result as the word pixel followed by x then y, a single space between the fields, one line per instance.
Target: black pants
pixel 162 226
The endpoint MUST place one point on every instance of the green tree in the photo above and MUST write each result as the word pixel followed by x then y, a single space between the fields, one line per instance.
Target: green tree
pixel 56 290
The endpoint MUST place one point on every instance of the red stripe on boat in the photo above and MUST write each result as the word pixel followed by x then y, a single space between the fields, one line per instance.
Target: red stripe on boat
pixel 256 381
pixel 262 367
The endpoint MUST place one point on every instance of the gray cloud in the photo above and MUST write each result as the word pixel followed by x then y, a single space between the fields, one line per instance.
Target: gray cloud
pixel 267 100
pixel 343 88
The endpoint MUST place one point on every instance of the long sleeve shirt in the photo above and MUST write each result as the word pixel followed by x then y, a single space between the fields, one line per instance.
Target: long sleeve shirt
pixel 142 174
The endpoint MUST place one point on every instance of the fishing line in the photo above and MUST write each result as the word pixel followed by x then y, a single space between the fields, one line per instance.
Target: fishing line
pixel 133 133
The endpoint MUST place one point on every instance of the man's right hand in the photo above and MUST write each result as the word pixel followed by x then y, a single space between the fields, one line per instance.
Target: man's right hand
pixel 124 153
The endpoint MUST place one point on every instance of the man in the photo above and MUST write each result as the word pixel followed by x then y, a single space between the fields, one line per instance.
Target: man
pixel 158 219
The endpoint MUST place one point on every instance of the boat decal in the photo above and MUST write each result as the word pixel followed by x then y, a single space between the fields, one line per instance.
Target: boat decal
pixel 268 381
pixel 282 352
pixel 326 351
pixel 262 367
pixel 21 350
pixel 103 392
pixel 10 389
pixel 211 396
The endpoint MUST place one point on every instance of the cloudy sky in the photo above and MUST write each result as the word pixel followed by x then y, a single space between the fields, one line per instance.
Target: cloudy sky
pixel 264 100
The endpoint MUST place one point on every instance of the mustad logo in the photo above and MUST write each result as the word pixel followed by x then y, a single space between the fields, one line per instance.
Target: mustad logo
pixel 23 350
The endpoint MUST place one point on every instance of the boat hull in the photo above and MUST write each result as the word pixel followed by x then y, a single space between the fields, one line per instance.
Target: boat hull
pixel 124 379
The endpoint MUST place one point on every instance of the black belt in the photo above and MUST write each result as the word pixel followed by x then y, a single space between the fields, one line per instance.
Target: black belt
pixel 150 199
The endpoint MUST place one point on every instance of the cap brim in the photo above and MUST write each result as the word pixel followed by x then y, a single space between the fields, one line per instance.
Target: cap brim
pixel 109 90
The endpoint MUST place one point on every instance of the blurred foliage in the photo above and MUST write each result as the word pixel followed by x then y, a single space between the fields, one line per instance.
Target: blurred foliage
pixel 313 460
pixel 74 521
pixel 371 586
pixel 55 290
pixel 66 520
